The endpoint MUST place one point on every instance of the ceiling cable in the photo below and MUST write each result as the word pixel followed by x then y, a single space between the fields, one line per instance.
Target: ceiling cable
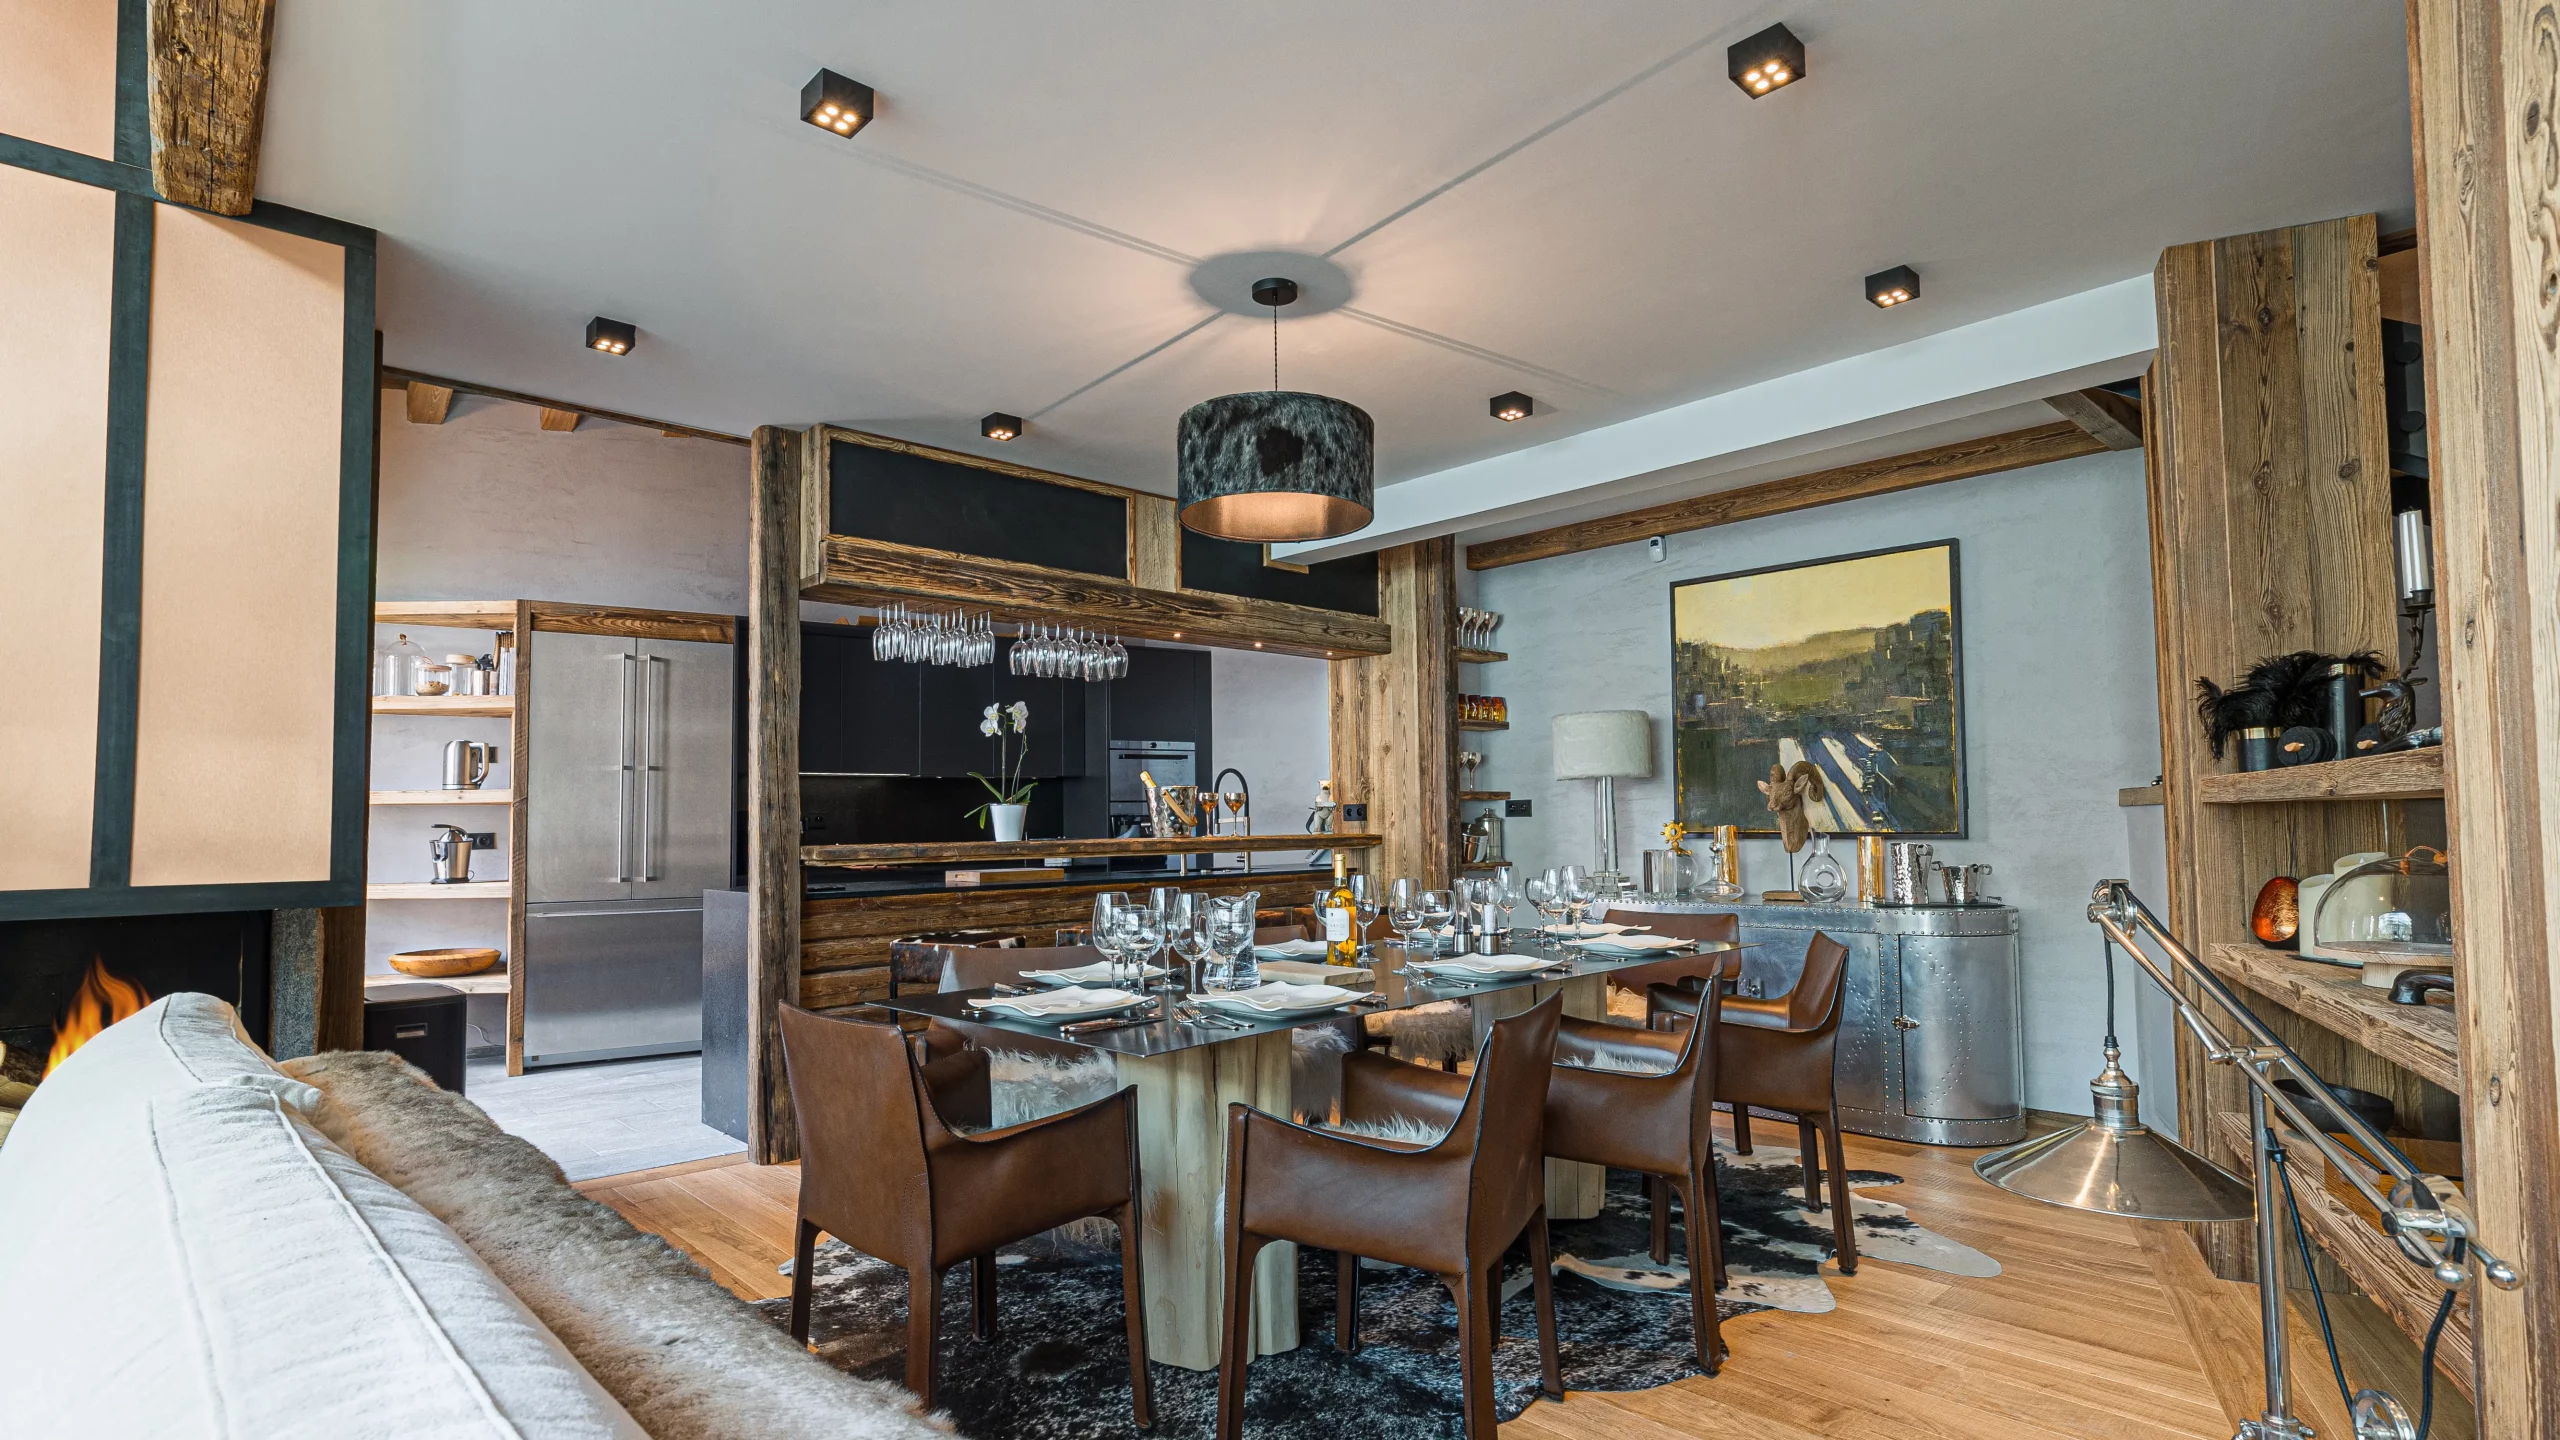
pixel 1275 347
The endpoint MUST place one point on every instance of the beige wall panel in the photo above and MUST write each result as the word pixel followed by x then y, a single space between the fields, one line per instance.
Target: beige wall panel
pixel 58 73
pixel 57 258
pixel 233 737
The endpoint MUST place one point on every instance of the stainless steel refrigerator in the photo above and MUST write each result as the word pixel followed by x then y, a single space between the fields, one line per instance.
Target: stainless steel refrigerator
pixel 629 820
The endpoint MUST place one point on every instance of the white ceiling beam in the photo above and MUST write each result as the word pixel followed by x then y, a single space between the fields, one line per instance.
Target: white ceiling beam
pixel 2090 338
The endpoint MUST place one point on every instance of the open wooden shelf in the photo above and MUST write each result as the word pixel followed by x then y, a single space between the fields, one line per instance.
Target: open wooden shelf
pixel 1484 795
pixel 2405 1292
pixel 484 796
pixel 424 890
pixel 492 981
pixel 2404 775
pixel 1484 724
pixel 456 705
pixel 2418 1038
pixel 1481 867
pixel 1467 656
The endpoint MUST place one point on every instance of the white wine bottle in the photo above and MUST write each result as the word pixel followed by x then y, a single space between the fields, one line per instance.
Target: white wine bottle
pixel 1339 932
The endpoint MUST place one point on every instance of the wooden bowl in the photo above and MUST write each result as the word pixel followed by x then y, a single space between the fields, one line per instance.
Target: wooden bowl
pixel 444 964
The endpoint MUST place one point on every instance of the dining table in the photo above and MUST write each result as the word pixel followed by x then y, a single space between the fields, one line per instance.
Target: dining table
pixel 1188 1071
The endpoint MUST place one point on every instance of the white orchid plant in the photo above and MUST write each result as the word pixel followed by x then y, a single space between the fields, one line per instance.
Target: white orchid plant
pixel 1008 787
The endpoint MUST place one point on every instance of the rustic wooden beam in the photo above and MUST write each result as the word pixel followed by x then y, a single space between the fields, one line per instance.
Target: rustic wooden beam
pixel 992 852
pixel 393 378
pixel 1960 461
pixel 208 73
pixel 561 420
pixel 1393 719
pixel 429 404
pixel 865 572
pixel 2110 419
pixel 773 783
pixel 2483 98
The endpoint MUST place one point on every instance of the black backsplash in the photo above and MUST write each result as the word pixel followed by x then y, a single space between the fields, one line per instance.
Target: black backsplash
pixel 897 809
pixel 224 954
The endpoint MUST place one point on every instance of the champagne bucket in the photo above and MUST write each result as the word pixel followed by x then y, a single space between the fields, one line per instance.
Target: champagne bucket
pixel 1964 883
pixel 1176 811
pixel 1907 864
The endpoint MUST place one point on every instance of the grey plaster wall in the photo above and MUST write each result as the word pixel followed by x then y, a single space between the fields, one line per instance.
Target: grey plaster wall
pixel 2060 701
pixel 1270 715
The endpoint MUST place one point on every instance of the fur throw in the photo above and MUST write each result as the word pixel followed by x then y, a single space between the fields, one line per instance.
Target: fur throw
pixel 1403 1129
pixel 1425 1034
pixel 685 1357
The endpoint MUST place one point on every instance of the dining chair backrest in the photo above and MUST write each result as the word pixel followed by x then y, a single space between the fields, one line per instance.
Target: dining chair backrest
pixel 1814 1005
pixel 1503 1124
pixel 1278 934
pixel 1725 926
pixel 864 1120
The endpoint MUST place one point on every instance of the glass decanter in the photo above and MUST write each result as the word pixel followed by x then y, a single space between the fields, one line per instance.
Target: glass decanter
pixel 1824 880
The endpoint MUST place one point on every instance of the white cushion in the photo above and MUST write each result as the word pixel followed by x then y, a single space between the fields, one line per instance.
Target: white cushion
pixel 205 1264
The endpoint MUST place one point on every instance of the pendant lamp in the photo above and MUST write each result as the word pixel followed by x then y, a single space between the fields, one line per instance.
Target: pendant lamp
pixel 1276 465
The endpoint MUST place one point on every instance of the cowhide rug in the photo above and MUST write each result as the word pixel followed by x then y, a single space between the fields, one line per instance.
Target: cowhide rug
pixel 1058 1367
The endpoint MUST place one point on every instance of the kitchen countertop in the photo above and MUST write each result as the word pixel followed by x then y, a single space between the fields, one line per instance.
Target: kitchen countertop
pixel 821 883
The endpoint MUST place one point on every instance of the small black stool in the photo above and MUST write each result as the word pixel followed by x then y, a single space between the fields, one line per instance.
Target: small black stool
pixel 423 1024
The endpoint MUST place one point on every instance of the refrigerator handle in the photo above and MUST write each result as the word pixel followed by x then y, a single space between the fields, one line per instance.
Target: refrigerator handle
pixel 653 703
pixel 622 790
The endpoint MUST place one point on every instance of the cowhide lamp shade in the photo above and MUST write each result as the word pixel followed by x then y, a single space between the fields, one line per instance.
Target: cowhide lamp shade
pixel 1276 465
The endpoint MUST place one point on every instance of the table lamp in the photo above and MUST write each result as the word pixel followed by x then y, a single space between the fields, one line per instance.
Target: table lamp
pixel 1602 746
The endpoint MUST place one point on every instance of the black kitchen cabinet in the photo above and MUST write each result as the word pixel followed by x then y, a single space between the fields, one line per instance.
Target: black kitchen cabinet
pixel 858 716
pixel 1164 697
pixel 954 703
pixel 1055 741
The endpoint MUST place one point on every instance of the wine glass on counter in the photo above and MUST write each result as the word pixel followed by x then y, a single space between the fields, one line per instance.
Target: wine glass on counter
pixel 1107 908
pixel 1366 905
pixel 1579 895
pixel 1190 942
pixel 1405 913
pixel 1438 908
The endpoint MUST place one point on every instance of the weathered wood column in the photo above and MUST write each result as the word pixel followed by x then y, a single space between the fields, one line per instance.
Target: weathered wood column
pixel 774 576
pixel 1394 718
pixel 2485 93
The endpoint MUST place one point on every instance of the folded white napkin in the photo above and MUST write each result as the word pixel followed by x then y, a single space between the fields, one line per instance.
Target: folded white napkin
pixel 1278 998
pixel 1590 927
pixel 1099 970
pixel 1074 1000
pixel 1630 944
pixel 1482 965
pixel 1293 949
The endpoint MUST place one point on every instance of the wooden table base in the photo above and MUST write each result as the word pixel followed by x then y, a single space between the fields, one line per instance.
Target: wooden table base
pixel 1182 1145
pixel 1574 1190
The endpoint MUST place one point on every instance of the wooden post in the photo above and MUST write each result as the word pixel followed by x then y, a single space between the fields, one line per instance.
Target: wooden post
pixel 1394 718
pixel 2485 92
pixel 773 782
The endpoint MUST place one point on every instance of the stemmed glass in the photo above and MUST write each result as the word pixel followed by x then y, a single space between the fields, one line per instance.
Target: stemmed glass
pixel 1503 893
pixel 1405 912
pixel 1189 938
pixel 1177 914
pixel 1437 908
pixel 1546 896
pixel 1230 922
pixel 1366 903
pixel 1107 909
pixel 1578 894
pixel 1142 933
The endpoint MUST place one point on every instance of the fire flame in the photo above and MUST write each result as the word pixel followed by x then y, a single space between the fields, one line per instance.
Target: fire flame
pixel 102 1000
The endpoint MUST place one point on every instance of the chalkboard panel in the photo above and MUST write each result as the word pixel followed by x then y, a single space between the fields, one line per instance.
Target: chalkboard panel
pixel 906 499
pixel 1230 567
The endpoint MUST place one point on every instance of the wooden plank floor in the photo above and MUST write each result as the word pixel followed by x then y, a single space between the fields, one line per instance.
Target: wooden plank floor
pixel 2097 1328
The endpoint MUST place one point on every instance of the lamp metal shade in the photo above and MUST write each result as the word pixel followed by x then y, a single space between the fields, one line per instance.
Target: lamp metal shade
pixel 1276 465
pixel 1594 743
pixel 2139 1173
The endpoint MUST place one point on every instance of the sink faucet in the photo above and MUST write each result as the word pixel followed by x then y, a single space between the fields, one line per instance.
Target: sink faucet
pixel 1215 793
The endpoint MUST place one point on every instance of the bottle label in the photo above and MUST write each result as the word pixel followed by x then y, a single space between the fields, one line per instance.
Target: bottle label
pixel 1337 925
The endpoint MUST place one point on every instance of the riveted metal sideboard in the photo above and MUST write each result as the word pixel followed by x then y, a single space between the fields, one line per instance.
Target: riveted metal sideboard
pixel 1930 1047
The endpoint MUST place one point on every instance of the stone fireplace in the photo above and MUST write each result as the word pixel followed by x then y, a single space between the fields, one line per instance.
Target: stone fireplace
pixel 62 979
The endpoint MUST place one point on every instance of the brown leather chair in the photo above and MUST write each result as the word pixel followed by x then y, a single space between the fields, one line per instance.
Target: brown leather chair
pixel 882 1171
pixel 1725 926
pixel 956 1073
pixel 1450 1208
pixel 1776 1053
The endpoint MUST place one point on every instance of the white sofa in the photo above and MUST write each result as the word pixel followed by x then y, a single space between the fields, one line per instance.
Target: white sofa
pixel 187 1251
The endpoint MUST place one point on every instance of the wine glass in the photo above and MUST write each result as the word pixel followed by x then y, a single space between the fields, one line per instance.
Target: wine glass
pixel 1230 930
pixel 1235 809
pixel 1405 913
pixel 1366 903
pixel 1578 894
pixel 1142 932
pixel 1438 906
pixel 1189 939
pixel 1107 907
pixel 1178 913
pixel 1503 893
pixel 1546 896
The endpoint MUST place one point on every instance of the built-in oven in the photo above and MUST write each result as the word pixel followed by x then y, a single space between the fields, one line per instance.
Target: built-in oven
pixel 1170 762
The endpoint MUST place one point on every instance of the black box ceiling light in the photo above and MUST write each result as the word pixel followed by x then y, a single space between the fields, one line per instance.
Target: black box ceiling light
pixel 1897 286
pixel 835 104
pixel 1512 405
pixel 1770 60
pixel 1000 426
pixel 613 337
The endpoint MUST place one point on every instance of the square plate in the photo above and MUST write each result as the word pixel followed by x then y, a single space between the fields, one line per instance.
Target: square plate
pixel 1057 1007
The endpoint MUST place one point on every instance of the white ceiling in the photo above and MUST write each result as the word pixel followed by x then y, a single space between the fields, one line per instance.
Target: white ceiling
pixel 1566 199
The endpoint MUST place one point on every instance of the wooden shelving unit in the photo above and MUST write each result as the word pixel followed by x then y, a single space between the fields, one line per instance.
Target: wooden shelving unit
pixel 492 981
pixel 426 890
pixel 455 706
pixel 1484 724
pixel 1468 656
pixel 2375 1264
pixel 1481 867
pixel 2419 1038
pixel 2406 775
pixel 484 796
pixel 1465 795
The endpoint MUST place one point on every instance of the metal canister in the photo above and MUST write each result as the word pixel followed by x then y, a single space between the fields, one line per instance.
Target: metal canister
pixel 1728 858
pixel 1907 865
pixel 1871 889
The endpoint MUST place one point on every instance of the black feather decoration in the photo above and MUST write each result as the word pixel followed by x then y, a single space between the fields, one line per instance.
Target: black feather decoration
pixel 2226 713
pixel 2279 691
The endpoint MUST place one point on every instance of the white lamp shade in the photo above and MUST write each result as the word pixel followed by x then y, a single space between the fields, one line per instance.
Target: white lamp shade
pixel 1604 742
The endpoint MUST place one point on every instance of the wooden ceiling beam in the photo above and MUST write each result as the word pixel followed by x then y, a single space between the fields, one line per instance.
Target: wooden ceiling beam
pixel 1962 460
pixel 208 74
pixel 2110 419
pixel 429 404
pixel 394 378
pixel 563 420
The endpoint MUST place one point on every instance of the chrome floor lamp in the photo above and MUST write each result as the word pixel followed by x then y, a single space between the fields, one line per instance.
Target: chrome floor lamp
pixel 2115 1166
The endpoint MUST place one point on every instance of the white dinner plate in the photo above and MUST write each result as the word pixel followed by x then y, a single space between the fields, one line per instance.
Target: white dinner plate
pixel 1630 944
pixel 1276 1002
pixel 1483 967
pixel 1097 973
pixel 1057 1007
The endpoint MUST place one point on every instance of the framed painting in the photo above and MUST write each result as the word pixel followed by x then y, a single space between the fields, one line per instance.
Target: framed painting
pixel 1851 665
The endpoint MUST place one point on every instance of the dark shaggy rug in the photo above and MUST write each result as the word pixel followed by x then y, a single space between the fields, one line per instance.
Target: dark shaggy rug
pixel 1058 1369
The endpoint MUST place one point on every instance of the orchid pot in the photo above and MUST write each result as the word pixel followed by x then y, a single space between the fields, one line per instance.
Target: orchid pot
pixel 1003 814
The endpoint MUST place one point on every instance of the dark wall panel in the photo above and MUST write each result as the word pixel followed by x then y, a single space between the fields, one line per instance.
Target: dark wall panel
pixel 914 500
pixel 1229 567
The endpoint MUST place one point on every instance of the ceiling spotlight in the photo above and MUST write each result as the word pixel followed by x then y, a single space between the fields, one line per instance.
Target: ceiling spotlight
pixel 1897 286
pixel 613 337
pixel 1512 405
pixel 1000 426
pixel 1770 60
pixel 835 104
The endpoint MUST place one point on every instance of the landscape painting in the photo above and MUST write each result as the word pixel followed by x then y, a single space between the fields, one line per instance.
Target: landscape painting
pixel 1849 664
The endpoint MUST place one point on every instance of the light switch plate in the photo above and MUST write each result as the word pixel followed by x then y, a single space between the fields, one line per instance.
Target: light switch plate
pixel 482 839
pixel 1515 809
pixel 1355 813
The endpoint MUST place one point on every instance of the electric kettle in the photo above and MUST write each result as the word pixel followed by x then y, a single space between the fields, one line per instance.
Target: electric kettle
pixel 466 763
